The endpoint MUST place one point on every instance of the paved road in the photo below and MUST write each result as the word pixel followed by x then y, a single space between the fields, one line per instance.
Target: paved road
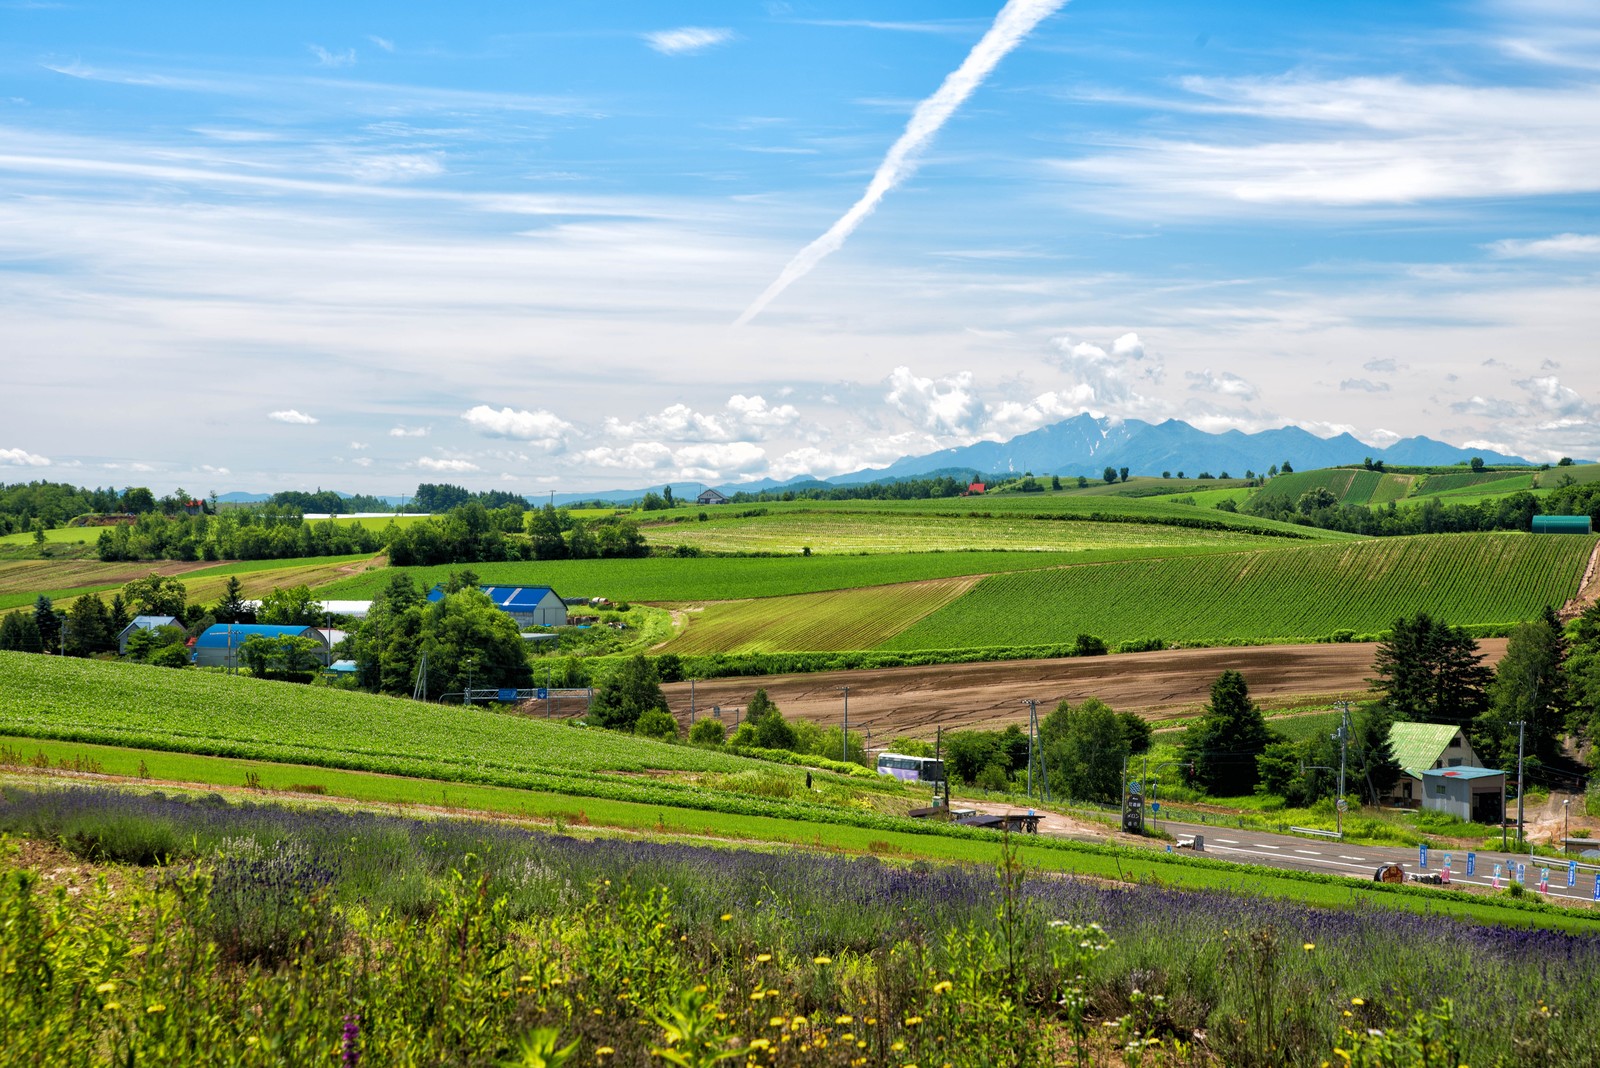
pixel 1339 858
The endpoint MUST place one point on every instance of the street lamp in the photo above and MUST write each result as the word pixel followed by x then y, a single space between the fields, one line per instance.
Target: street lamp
pixel 1565 805
pixel 471 667
pixel 845 732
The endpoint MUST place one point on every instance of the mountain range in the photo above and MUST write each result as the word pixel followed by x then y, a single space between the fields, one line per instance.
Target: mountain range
pixel 1087 445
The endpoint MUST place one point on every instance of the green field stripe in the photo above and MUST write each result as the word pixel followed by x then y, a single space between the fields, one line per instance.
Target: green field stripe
pixel 1054 855
pixel 1294 593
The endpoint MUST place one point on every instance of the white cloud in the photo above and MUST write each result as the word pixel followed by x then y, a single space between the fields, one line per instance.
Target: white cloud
pixel 359 445
pixel 1388 141
pixel 645 456
pixel 362 461
pixel 677 422
pixel 393 166
pixel 545 429
pixel 325 58
pixel 1222 383
pixel 720 461
pixel 1108 380
pixel 944 406
pixel 686 40
pixel 1486 407
pixel 1380 365
pixel 431 463
pixel 1550 396
pixel 23 458
pixel 1560 246
pixel 208 469
pixel 756 412
pixel 296 418
pixel 403 432
pixel 382 42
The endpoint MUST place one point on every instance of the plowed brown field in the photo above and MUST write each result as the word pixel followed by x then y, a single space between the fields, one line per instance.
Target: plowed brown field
pixel 1160 685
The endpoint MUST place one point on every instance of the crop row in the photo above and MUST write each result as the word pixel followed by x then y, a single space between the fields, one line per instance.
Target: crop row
pixel 839 619
pixel 1302 592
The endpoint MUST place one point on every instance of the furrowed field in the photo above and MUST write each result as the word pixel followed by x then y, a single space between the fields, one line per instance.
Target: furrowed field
pixel 1295 593
pixel 826 531
pixel 21 582
pixel 841 619
pixel 692 579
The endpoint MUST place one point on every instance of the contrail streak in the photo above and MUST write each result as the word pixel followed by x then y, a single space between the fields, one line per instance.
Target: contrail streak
pixel 1015 21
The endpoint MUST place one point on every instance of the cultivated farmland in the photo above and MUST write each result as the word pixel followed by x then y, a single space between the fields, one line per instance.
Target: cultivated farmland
pixel 840 619
pixel 22 581
pixel 697 579
pixel 1296 593
pixel 828 531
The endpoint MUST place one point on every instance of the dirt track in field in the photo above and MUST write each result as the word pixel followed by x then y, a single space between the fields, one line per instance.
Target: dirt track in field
pixel 1160 685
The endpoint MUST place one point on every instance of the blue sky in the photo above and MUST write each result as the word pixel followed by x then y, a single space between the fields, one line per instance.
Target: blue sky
pixel 361 246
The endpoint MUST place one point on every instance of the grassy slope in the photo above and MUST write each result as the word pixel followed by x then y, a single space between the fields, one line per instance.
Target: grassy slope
pixel 1298 592
pixel 840 619
pixel 880 532
pixel 203 712
pixel 1138 865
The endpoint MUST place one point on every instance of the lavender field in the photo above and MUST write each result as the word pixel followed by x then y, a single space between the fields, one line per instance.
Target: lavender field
pixel 462 942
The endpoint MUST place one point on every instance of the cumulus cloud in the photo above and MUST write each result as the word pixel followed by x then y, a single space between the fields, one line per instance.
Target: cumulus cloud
pixel 23 458
pixel 293 417
pixel 647 456
pixel 1380 366
pixel 1010 418
pixel 756 412
pixel 544 429
pixel 1484 406
pixel 1549 396
pixel 325 58
pixel 1108 379
pixel 677 422
pixel 359 445
pixel 1561 246
pixel 686 40
pixel 434 463
pixel 362 461
pixel 402 432
pixel 944 406
pixel 1222 383
pixel 1364 385
pixel 720 461
pixel 208 469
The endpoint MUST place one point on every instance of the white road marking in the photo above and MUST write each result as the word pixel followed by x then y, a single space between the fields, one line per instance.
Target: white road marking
pixel 1230 841
pixel 1263 845
pixel 1358 860
pixel 1309 852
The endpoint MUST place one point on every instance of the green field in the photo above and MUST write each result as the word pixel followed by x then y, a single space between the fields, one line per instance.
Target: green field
pixel 697 579
pixel 839 619
pixel 22 581
pixel 841 532
pixel 1297 593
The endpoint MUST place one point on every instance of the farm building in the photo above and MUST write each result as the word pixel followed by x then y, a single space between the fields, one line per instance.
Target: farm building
pixel 1422 747
pixel 143 623
pixel 710 496
pixel 530 606
pixel 1562 524
pixel 974 489
pixel 348 609
pixel 219 645
pixel 1475 794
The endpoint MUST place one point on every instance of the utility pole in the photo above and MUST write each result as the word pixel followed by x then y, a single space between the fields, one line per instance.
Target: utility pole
pixel 1342 736
pixel 691 702
pixel 1521 724
pixel 844 734
pixel 1032 719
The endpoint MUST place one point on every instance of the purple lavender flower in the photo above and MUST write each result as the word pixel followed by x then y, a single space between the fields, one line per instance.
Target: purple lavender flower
pixel 351 1046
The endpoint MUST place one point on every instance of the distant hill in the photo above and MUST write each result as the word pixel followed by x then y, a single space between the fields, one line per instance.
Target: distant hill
pixel 1085 445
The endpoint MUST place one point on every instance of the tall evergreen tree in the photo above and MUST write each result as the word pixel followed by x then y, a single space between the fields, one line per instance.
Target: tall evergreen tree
pixel 1224 742
pixel 48 622
pixel 626 694
pixel 89 627
pixel 1530 686
pixel 1431 672
pixel 232 608
pixel 19 633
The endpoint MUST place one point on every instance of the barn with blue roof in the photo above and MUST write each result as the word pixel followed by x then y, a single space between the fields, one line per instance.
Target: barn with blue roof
pixel 530 606
pixel 219 645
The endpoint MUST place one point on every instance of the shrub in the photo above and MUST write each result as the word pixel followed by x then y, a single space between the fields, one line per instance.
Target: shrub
pixel 708 732
pixel 657 723
pixel 1088 645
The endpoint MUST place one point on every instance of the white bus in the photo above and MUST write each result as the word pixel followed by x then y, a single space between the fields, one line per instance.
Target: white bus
pixel 911 768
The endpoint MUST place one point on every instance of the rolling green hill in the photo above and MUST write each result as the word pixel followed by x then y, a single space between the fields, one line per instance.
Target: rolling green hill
pixel 1295 593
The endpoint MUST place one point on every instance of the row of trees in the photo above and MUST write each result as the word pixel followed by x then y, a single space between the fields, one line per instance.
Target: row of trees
pixel 233 535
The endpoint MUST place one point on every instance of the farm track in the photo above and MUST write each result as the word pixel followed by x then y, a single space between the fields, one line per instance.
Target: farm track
pixel 915 700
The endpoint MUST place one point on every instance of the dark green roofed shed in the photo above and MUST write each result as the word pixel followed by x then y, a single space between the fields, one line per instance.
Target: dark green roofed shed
pixel 1562 524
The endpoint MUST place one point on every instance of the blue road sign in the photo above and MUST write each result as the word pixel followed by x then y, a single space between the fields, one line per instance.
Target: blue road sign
pixel 1522 873
pixel 1155 806
pixel 1597 886
pixel 1472 863
pixel 1572 873
pixel 1422 855
pixel 542 694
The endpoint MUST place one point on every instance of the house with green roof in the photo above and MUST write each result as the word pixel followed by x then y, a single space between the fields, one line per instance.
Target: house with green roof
pixel 1421 747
